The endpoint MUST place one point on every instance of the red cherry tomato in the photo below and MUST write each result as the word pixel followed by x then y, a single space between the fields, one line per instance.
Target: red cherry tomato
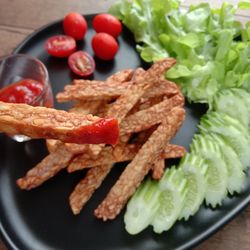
pixel 81 63
pixel 60 45
pixel 24 91
pixel 108 24
pixel 75 25
pixel 104 46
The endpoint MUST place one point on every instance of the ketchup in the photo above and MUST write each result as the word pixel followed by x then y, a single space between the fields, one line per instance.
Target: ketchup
pixel 23 91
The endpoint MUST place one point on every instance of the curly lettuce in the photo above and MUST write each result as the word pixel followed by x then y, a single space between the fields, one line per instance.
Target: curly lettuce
pixel 211 47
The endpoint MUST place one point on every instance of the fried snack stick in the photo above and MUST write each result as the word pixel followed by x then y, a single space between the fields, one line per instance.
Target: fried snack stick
pixel 146 118
pixel 41 122
pixel 127 101
pixel 109 155
pixel 46 169
pixel 135 172
pixel 118 77
pixel 59 157
pixel 90 90
pixel 108 90
pixel 158 169
pixel 170 152
pixel 119 110
pixel 97 86
pixel 95 175
pixel 141 82
pixel 82 108
pixel 87 186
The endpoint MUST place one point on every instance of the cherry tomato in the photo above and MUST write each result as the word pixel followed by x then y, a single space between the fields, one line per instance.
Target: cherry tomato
pixel 108 24
pixel 105 46
pixel 60 45
pixel 75 25
pixel 24 91
pixel 81 63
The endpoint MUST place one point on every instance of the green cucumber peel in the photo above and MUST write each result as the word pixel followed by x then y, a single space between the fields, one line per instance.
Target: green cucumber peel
pixel 173 190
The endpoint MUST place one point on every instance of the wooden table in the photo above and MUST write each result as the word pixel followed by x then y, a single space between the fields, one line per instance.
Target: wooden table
pixel 20 18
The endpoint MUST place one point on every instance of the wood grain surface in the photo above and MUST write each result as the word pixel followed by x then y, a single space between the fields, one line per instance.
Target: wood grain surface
pixel 19 18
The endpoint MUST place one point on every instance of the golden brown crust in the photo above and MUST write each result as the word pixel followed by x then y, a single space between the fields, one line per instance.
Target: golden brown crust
pixel 135 172
pixel 146 118
pixel 87 186
pixel 158 169
pixel 46 169
pixel 41 122
pixel 127 152
pixel 149 110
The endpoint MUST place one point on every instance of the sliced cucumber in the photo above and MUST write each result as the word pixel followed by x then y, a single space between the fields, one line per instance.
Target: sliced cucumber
pixel 142 207
pixel 236 175
pixel 173 189
pixel 217 176
pixel 226 101
pixel 232 131
pixel 195 172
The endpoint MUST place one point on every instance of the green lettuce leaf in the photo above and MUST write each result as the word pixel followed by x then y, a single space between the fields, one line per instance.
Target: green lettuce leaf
pixel 211 47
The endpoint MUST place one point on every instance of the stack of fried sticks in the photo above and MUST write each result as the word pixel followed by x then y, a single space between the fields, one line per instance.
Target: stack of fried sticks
pixel 149 110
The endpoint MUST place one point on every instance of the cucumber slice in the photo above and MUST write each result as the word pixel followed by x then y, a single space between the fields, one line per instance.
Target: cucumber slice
pixel 195 172
pixel 232 131
pixel 226 101
pixel 142 207
pixel 173 190
pixel 217 176
pixel 236 175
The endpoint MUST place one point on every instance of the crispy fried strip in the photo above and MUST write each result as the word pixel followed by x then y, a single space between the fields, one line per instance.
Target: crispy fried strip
pixel 92 91
pixel 158 169
pixel 121 76
pixel 46 169
pixel 107 156
pixel 82 108
pixel 146 118
pixel 52 144
pixel 96 91
pixel 87 186
pixel 121 154
pixel 146 103
pixel 135 172
pixel 41 122
pixel 56 160
pixel 118 77
pixel 171 151
pixel 125 102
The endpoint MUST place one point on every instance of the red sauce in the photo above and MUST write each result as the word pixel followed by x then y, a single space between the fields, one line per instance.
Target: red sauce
pixel 23 91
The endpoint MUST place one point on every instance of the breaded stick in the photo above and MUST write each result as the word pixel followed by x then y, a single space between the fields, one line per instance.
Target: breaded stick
pixel 87 186
pixel 48 123
pixel 60 154
pixel 106 90
pixel 118 77
pixel 170 152
pixel 158 169
pixel 46 169
pixel 109 155
pixel 135 172
pixel 92 91
pixel 146 118
pixel 101 91
pixel 124 75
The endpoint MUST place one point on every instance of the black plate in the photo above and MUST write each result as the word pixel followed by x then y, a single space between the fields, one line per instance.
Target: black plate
pixel 41 219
